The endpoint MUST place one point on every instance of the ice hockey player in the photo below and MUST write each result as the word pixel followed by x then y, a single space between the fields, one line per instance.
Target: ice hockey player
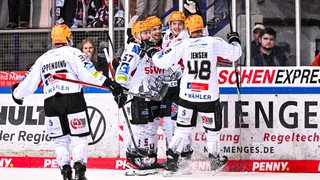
pixel 131 73
pixel 65 107
pixel 199 89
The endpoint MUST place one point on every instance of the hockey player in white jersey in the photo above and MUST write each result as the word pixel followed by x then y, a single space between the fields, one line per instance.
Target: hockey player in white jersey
pixel 65 108
pixel 133 72
pixel 199 88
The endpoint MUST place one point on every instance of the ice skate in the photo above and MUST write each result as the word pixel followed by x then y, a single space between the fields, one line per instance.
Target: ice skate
pixel 185 163
pixel 80 170
pixel 66 172
pixel 171 164
pixel 217 163
pixel 133 170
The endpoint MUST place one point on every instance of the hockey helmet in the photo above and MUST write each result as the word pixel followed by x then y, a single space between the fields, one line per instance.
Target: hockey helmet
pixel 140 26
pixel 177 16
pixel 60 33
pixel 153 21
pixel 194 23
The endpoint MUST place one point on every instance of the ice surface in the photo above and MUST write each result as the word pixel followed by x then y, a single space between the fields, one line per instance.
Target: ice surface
pixel 104 174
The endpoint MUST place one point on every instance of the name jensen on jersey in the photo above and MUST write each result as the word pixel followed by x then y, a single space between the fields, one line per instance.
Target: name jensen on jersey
pixel 53 65
pixel 199 55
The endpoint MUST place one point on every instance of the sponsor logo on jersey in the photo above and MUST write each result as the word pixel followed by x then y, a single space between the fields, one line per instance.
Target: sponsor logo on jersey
pixel 197 86
pixel 77 123
pixel 174 109
pixel 88 64
pixel 153 70
pixel 198 96
pixel 124 68
pixel 136 49
pixel 206 120
pixel 171 83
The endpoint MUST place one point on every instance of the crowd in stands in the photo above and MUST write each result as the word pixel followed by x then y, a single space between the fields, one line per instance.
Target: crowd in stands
pixel 88 13
pixel 95 14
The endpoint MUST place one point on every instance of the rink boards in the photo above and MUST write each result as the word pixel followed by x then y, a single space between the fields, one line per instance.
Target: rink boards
pixel 279 132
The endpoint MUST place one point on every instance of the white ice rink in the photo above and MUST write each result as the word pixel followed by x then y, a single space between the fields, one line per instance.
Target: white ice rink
pixel 103 174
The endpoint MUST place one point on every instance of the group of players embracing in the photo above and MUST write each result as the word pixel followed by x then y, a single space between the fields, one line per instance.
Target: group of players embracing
pixel 175 69
pixel 179 66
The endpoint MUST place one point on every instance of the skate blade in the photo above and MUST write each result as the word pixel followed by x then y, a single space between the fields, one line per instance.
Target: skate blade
pixel 167 173
pixel 132 172
pixel 215 172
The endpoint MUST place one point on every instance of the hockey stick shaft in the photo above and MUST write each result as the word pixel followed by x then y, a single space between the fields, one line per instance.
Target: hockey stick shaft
pixel 237 73
pixel 111 71
pixel 56 76
pixel 140 151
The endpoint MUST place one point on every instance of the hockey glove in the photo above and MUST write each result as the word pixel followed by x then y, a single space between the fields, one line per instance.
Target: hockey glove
pixel 130 37
pixel 121 100
pixel 233 37
pixel 115 87
pixel 148 47
pixel 18 101
pixel 192 7
pixel 115 63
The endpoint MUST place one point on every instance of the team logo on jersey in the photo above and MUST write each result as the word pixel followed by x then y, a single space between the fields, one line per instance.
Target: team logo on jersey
pixel 174 109
pixel 77 123
pixel 197 86
pixel 124 68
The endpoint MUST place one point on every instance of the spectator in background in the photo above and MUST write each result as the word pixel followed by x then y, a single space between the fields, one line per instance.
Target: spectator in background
pixel 101 18
pixel 147 8
pixel 19 14
pixel 65 11
pixel 316 61
pixel 269 54
pixel 88 47
pixel 255 44
pixel 80 19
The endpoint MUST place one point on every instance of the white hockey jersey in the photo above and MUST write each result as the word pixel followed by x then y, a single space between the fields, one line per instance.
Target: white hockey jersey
pixel 66 61
pixel 168 39
pixel 138 74
pixel 130 71
pixel 199 82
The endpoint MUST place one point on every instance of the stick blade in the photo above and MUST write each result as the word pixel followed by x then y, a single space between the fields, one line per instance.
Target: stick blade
pixel 132 20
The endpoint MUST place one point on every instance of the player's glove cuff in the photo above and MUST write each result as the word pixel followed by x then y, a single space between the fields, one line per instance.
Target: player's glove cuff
pixel 233 37
pixel 18 101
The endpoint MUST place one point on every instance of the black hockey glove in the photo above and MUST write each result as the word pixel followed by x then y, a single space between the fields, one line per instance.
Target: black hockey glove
pixel 148 47
pixel 192 7
pixel 121 100
pixel 130 37
pixel 115 63
pixel 18 101
pixel 233 37
pixel 115 87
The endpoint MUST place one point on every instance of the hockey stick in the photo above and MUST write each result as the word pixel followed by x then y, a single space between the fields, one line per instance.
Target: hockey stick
pixel 237 74
pixel 239 112
pixel 61 77
pixel 140 151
